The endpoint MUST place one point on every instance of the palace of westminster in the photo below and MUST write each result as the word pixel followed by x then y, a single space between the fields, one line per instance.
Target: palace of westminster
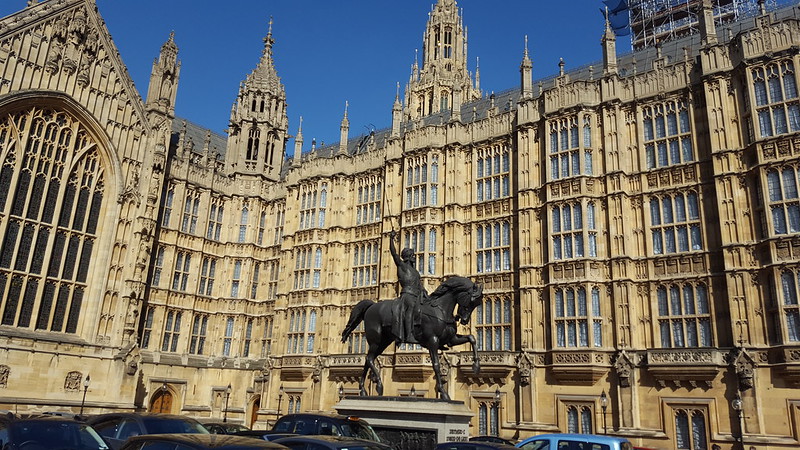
pixel 635 225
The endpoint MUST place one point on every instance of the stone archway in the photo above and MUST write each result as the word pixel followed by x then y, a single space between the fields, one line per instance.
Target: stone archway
pixel 161 402
pixel 255 405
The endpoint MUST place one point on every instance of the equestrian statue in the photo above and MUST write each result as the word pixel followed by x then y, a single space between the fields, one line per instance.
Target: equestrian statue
pixel 416 317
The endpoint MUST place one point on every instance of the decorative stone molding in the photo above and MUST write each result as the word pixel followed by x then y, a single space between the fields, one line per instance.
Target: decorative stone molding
pixel 495 367
pixel 413 366
pixel 690 367
pixel 297 368
pixel 72 382
pixel 346 368
pixel 623 366
pixel 4 372
pixel 744 366
pixel 524 363
pixel 579 367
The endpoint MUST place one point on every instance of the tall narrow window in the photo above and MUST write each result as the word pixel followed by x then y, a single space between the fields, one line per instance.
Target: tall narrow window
pixel 684 317
pixel 312 329
pixel 302 272
pixel 190 211
pixel 572 225
pixel 313 205
pixel 158 266
pixel 198 339
pixel 248 336
pixel 579 419
pixel 493 324
pixel 169 198
pixel 790 281
pixel 243 224
pixel 567 148
pixel 317 267
pixel 776 99
pixel 262 224
pixel 51 203
pixel 215 218
pixel 266 338
pixel 279 218
pixel 783 201
pixel 207 272
pixel 147 330
pixel 357 342
pixel 493 173
pixel 418 182
pixel 323 204
pixel 227 341
pixel 365 264
pixel 236 278
pixel 368 200
pixel 172 328
pixel 573 313
pixel 254 281
pixel 180 278
pixel 416 239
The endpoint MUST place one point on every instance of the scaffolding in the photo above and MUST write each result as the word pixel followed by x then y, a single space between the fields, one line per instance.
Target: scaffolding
pixel 652 21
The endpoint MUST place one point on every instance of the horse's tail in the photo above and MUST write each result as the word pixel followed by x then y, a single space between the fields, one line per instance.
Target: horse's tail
pixel 356 316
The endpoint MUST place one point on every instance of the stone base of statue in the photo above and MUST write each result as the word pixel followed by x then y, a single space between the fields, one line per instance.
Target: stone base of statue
pixel 411 422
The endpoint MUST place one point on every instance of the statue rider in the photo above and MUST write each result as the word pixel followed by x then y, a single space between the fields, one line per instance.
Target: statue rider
pixel 411 292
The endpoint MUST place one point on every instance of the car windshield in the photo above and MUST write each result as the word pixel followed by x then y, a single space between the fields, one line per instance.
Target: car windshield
pixel 160 425
pixel 56 435
pixel 359 430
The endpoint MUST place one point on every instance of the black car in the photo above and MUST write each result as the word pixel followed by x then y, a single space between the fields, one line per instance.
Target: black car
pixel 326 424
pixel 195 442
pixel 330 443
pixel 48 433
pixel 264 435
pixel 495 439
pixel 224 427
pixel 116 428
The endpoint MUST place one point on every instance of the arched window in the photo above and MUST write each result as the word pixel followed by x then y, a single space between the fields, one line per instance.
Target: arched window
pixel 51 195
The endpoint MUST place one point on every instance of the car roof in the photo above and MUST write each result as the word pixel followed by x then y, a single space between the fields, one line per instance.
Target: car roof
pixel 321 415
pixel 139 415
pixel 576 436
pixel 219 441
pixel 329 438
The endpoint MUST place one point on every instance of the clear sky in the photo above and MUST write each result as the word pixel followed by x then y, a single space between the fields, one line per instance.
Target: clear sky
pixel 331 51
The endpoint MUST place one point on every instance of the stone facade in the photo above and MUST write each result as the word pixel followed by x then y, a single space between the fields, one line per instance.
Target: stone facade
pixel 634 224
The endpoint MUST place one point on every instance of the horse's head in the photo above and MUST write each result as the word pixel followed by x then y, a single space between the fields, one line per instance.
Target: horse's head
pixel 468 301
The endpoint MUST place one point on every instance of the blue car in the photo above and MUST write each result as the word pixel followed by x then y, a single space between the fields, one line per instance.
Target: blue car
pixel 575 442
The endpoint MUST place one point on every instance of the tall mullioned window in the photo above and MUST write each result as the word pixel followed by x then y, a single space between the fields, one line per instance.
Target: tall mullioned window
pixel 578 318
pixel 579 418
pixel 790 309
pixel 667 134
pixel 147 329
pixel 280 215
pixel 493 173
pixel 227 340
pixel 365 264
pixel 571 146
pixel 262 225
pixel 169 199
pixel 190 211
pixel 158 266
pixel 236 278
pixel 368 201
pixel 180 277
pixel 684 317
pixel 776 98
pixel 172 329
pixel 51 200
pixel 493 324
pixel 254 280
pixel 243 219
pixel 493 247
pixel 423 242
pixel 675 223
pixel 574 230
pixel 215 217
pixel 313 205
pixel 304 257
pixel 272 285
pixel 783 200
pixel 690 429
pixel 299 322
pixel 422 181
pixel 197 340
pixel 208 270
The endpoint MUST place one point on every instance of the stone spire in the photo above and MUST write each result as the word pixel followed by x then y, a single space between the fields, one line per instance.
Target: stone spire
pixel 444 64
pixel 163 88
pixel 344 130
pixel 708 30
pixel 609 42
pixel 526 71
pixel 258 124
pixel 298 144
pixel 397 113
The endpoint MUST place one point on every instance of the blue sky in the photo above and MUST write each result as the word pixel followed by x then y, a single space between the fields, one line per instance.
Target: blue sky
pixel 328 51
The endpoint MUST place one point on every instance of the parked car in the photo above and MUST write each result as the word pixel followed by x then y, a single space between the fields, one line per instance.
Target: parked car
pixel 474 445
pixel 266 435
pixel 224 427
pixel 47 433
pixel 495 439
pixel 575 441
pixel 116 428
pixel 330 443
pixel 326 424
pixel 195 442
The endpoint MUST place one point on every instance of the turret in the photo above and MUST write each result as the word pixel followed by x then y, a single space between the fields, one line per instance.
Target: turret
pixel 609 42
pixel 444 64
pixel 258 124
pixel 163 88
pixel 397 113
pixel 708 31
pixel 526 71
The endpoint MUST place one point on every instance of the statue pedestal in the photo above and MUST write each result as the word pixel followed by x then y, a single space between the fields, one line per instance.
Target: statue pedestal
pixel 411 422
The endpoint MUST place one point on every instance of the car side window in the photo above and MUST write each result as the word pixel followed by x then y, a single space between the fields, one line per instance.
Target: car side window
pixel 540 444
pixel 128 428
pixel 107 429
pixel 325 427
pixel 570 445
pixel 283 426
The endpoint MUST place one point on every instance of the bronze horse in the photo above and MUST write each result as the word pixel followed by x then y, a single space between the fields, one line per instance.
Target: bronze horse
pixel 434 326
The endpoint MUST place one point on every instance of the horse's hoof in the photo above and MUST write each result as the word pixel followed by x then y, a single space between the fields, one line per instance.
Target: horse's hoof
pixel 444 396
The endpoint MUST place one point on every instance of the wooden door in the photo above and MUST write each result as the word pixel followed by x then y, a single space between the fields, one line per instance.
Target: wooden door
pixel 162 402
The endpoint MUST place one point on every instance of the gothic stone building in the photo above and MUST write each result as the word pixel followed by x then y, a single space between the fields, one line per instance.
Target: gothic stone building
pixel 636 225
